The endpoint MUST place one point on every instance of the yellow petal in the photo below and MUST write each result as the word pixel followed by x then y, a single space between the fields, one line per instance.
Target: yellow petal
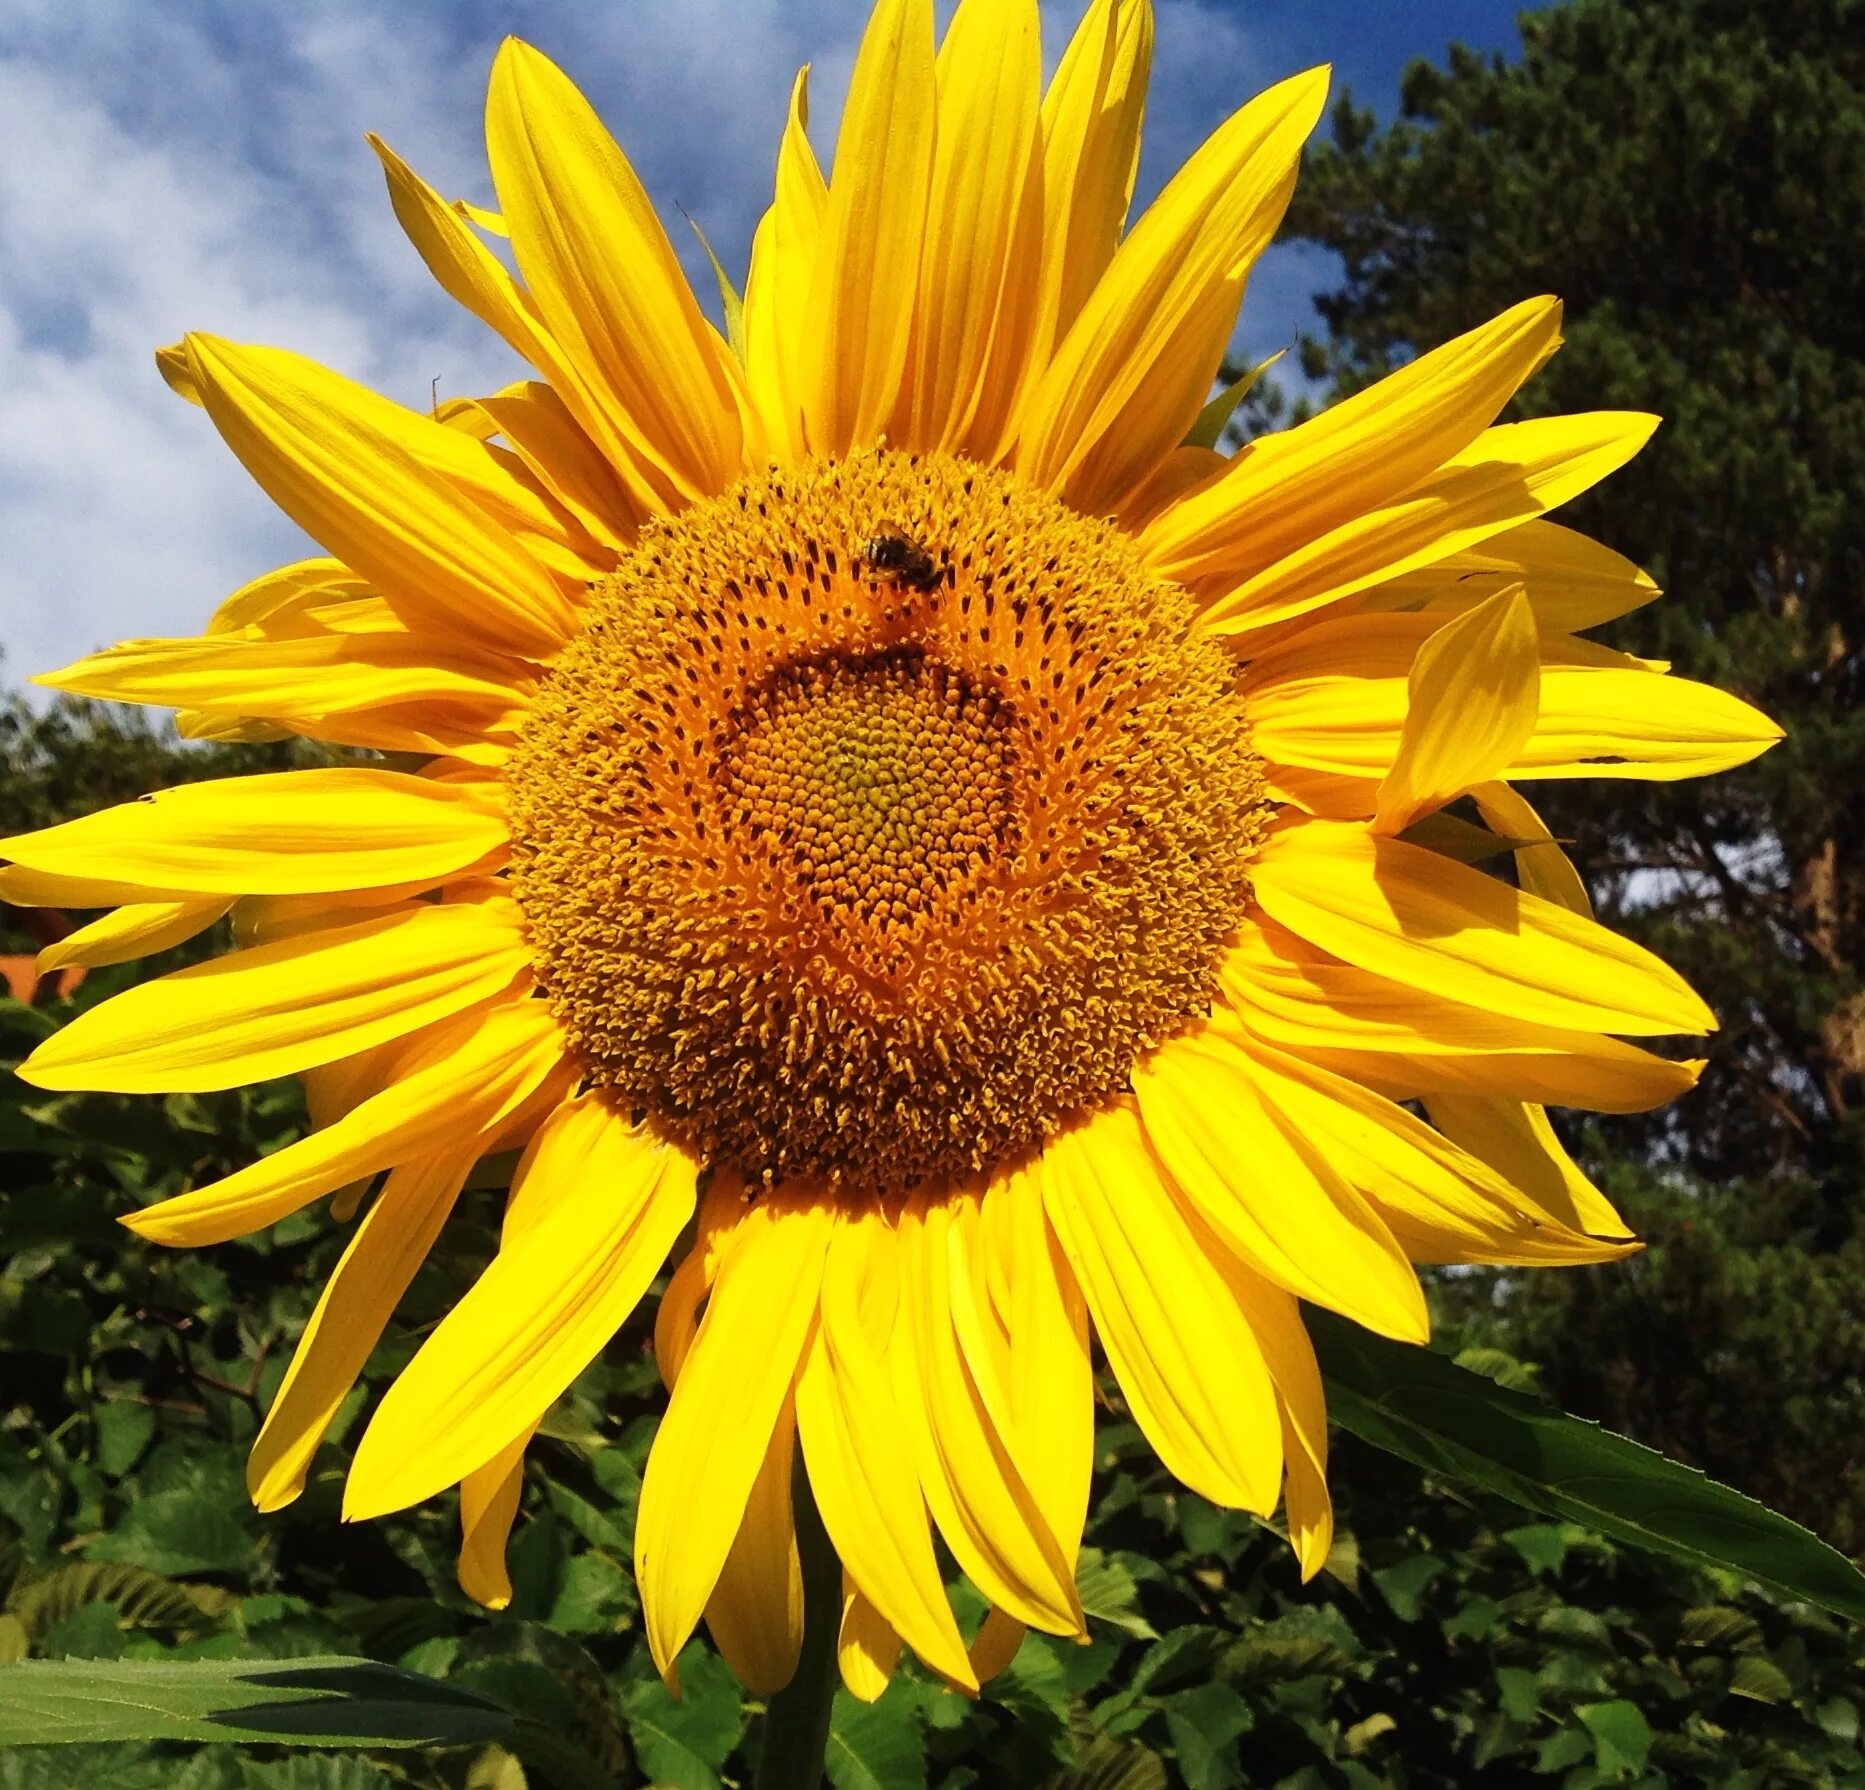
pixel 985 1511
pixel 731 1391
pixel 547 437
pixel 139 930
pixel 1471 702
pixel 1276 1323
pixel 1429 923
pixel 1218 1116
pixel 676 1321
pixel 862 290
pixel 983 238
pixel 177 369
pixel 1050 1381
pixel 1091 151
pixel 281 1007
pixel 1510 474
pixel 1572 582
pixel 1137 365
pixel 285 590
pixel 755 1613
pixel 358 1300
pixel 859 1457
pixel 458 1080
pixel 1281 491
pixel 292 832
pixel 604 277
pixel 777 285
pixel 1178 1341
pixel 1334 701
pixel 22 887
pixel 1542 868
pixel 1582 1081
pixel 473 276
pixel 396 496
pixel 489 1498
pixel 996 1643
pixel 400 695
pixel 866 1646
pixel 1412 1174
pixel 1305 1002
pixel 1516 1139
pixel 536 1317
pixel 1634 723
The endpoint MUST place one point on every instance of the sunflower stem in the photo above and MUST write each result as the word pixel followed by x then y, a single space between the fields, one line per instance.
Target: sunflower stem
pixel 796 1722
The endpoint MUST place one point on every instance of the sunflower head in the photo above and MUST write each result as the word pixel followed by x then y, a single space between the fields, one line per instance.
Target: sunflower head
pixel 884 811
pixel 881 799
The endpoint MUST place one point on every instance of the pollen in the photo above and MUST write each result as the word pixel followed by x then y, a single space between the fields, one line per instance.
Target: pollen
pixel 883 813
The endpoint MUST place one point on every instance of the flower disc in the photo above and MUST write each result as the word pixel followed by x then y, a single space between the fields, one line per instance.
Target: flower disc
pixel 883 813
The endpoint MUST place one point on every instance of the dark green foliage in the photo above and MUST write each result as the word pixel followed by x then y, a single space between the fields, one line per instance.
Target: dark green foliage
pixel 1454 1639
pixel 1690 176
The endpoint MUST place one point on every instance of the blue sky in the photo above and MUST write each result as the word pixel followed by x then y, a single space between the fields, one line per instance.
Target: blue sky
pixel 201 164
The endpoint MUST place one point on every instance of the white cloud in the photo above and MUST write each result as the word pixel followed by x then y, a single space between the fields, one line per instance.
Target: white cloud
pixel 203 167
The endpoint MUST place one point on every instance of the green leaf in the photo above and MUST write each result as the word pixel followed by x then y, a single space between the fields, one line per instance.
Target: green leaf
pixel 1204 1723
pixel 1716 1625
pixel 1110 1765
pixel 311 1702
pixel 1109 1594
pixel 1426 1409
pixel 124 1430
pixel 1621 1735
pixel 142 1599
pixel 876 1746
pixel 1404 1584
pixel 1208 426
pixel 683 1744
pixel 1543 1546
pixel 1520 1692
pixel 1839 1716
pixel 1760 1680
pixel 89 1632
pixel 1186 1653
pixel 730 298
pixel 181 1531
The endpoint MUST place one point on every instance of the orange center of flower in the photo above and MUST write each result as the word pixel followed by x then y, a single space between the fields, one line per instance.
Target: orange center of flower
pixel 883 813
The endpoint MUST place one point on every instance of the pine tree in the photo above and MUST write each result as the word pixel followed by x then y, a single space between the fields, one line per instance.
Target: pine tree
pixel 1690 176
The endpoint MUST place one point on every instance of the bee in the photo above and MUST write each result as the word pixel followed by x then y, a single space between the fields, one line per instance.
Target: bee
pixel 893 551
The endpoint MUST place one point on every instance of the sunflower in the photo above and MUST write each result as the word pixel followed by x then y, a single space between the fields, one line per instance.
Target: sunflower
pixel 877 796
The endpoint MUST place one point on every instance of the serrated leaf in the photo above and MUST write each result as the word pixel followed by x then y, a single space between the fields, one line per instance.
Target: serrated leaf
pixel 1760 1680
pixel 313 1771
pixel 876 1746
pixel 1716 1625
pixel 318 1702
pixel 1112 1765
pixel 1278 1659
pixel 1426 1409
pixel 142 1599
pixel 89 1632
pixel 1110 1594
pixel 180 1531
pixel 1184 1654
